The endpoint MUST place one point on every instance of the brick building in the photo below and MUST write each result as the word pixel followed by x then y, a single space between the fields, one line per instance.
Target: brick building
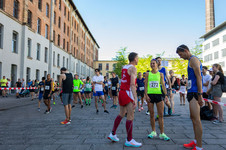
pixel 38 37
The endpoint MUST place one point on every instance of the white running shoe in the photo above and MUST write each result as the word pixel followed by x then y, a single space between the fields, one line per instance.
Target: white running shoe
pixel 113 138
pixel 132 143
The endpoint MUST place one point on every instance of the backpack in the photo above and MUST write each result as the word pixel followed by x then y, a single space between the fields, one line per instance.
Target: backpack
pixel 206 113
pixel 223 86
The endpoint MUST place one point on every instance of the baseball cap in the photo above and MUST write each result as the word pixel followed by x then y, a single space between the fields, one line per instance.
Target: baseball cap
pixel 210 69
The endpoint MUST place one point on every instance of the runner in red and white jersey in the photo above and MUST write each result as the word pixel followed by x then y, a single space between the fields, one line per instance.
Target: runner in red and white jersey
pixel 127 101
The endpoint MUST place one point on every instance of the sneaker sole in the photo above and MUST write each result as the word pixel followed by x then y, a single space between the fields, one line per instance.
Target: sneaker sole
pixel 152 137
pixel 188 147
pixel 112 139
pixel 164 139
pixel 132 146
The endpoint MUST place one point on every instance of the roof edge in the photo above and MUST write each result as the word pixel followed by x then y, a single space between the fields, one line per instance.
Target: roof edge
pixel 214 30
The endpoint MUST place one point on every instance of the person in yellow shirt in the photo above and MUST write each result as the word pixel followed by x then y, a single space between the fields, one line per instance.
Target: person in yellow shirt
pixel 3 85
pixel 53 92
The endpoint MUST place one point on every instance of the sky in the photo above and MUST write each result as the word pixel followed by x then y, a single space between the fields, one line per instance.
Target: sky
pixel 146 26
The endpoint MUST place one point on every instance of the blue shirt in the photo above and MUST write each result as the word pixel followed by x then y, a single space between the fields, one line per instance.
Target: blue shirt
pixel 140 83
pixel 163 71
pixel 192 81
pixel 41 84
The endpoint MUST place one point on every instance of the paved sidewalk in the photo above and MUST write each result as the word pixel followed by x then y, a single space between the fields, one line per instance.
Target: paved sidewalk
pixel 23 127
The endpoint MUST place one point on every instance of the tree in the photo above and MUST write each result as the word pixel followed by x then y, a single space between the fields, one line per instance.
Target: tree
pixel 121 58
pixel 144 63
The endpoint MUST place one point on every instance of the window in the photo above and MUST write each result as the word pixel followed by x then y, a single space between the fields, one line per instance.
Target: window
pixel 46 54
pixel 216 55
pixel 1 7
pixel 68 46
pixel 59 21
pixel 46 31
pixel 107 75
pixel 107 66
pixel 64 44
pixel 38 51
pixel 224 38
pixel 67 64
pixel 29 18
pixel 222 64
pixel 207 46
pixel 77 69
pixel 40 4
pixel 14 42
pixel 63 61
pixel 68 17
pixel 37 74
pixel 58 40
pixel 64 27
pixel 58 60
pixel 210 57
pixel 45 74
pixel 65 10
pixel 53 75
pixel 54 17
pixel 215 42
pixel 16 9
pixel 53 36
pixel 54 59
pixel 47 10
pixel 60 4
pixel 223 52
pixel 39 26
pixel 29 47
pixel 100 66
pixel 67 30
pixel 0 69
pixel 1 35
pixel 75 25
pixel 74 37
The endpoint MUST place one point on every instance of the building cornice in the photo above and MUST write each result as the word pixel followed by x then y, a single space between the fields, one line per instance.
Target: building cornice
pixel 214 30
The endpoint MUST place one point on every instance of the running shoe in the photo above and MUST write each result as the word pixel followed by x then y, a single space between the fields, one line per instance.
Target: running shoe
pixel 97 111
pixel 112 106
pixel 50 109
pixel 164 137
pixel 147 112
pixel 132 143
pixel 106 111
pixel 46 112
pixel 73 106
pixel 152 135
pixel 81 106
pixel 39 109
pixel 139 110
pixel 142 108
pixel 65 122
pixel 190 145
pixel 217 122
pixel 113 138
pixel 54 103
pixel 115 106
pixel 195 148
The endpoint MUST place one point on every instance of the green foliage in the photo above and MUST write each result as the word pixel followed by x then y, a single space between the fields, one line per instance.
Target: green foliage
pixel 197 50
pixel 144 63
pixel 121 58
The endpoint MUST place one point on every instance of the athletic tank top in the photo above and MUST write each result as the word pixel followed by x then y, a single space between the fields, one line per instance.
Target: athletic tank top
pixel 182 83
pixel 106 85
pixel 125 81
pixel 192 81
pixel 140 84
pixel 68 83
pixel 88 87
pixel 47 86
pixel 154 83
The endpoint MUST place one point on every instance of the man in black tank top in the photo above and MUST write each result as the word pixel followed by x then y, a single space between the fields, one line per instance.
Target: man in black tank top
pixel 66 83
pixel 47 93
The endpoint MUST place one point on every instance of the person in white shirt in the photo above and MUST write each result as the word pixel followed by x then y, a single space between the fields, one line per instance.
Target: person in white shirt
pixel 206 80
pixel 98 80
pixel 9 86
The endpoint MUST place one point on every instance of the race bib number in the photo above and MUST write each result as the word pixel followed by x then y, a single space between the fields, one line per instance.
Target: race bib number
pixel 167 86
pixel 42 89
pixel 47 88
pixel 76 87
pixel 113 88
pixel 189 84
pixel 106 84
pixel 154 84
pixel 88 86
pixel 141 88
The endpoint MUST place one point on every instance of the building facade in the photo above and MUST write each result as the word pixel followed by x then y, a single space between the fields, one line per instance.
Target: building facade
pixel 38 37
pixel 214 46
pixel 105 66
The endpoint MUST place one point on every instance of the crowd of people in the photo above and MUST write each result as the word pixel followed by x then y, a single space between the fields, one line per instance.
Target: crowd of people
pixel 157 86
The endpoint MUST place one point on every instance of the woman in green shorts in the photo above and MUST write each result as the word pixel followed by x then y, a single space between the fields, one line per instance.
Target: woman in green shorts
pixel 88 90
pixel 153 93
